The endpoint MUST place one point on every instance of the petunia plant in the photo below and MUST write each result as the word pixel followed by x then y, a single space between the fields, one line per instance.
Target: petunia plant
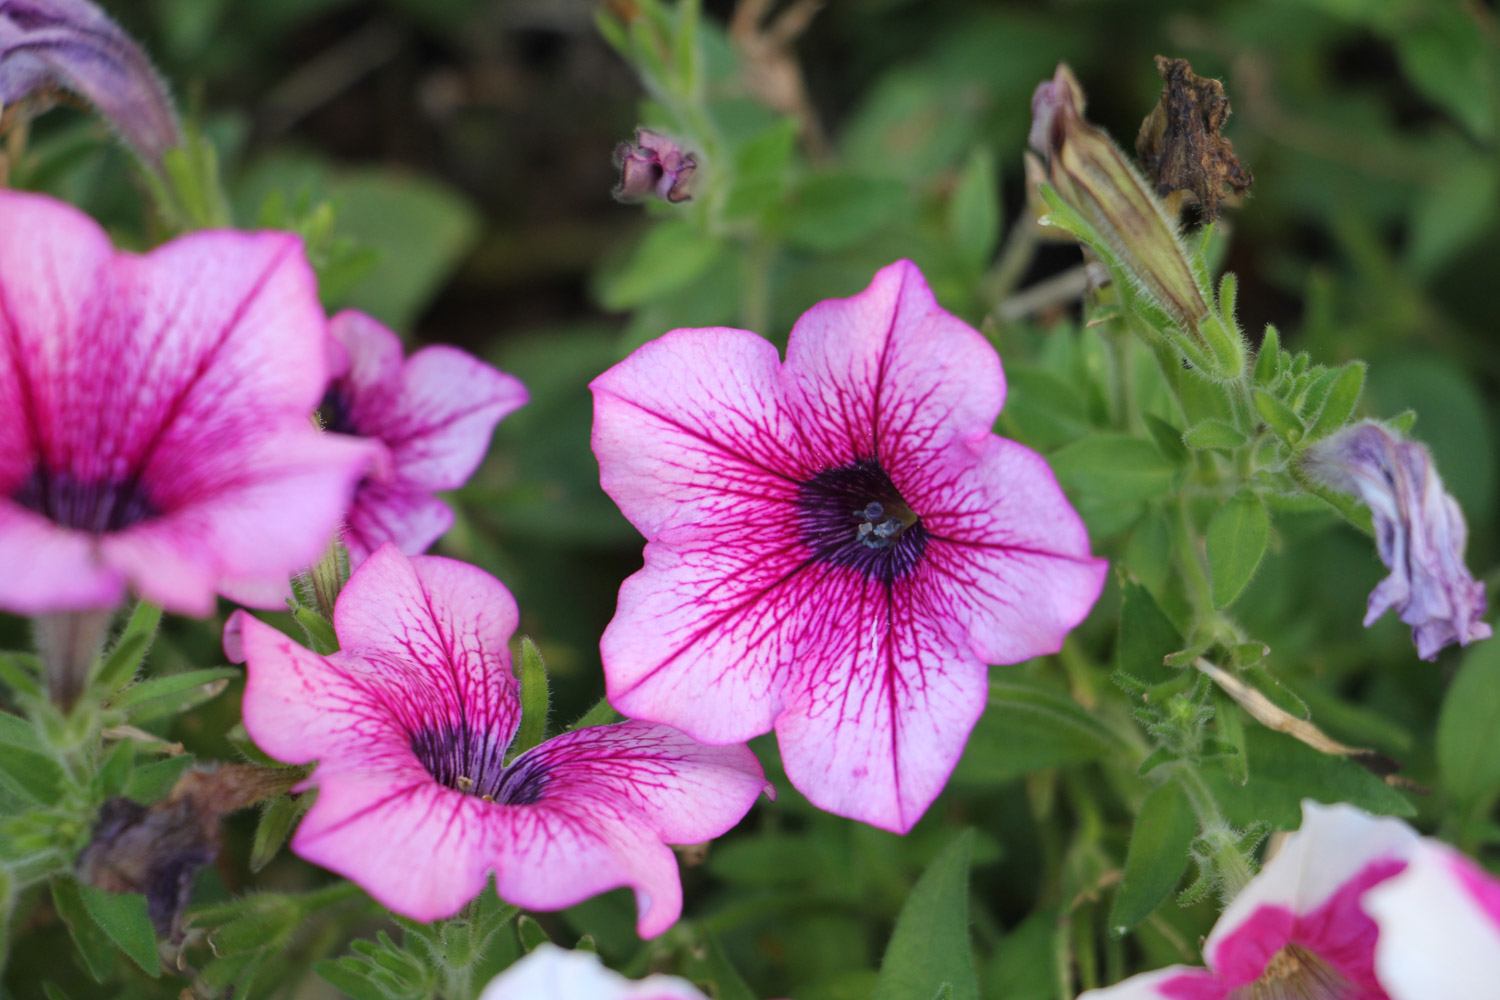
pixel 873 599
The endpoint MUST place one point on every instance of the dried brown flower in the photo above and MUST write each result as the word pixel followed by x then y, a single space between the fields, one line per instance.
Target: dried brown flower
pixel 1180 145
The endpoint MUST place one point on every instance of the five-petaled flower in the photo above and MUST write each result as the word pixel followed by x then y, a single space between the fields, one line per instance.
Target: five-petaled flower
pixel 551 973
pixel 837 545
pixel 410 724
pixel 72 45
pixel 1420 533
pixel 1439 927
pixel 433 411
pixel 1301 928
pixel 154 410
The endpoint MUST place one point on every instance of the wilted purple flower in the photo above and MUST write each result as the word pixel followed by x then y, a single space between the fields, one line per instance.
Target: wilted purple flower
pixel 655 165
pixel 1419 533
pixel 434 412
pixel 410 724
pixel 73 45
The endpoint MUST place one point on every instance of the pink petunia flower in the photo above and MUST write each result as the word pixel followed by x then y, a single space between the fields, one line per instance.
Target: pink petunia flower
pixel 1302 927
pixel 1439 928
pixel 410 724
pixel 837 544
pixel 552 973
pixel 654 167
pixel 154 411
pixel 434 412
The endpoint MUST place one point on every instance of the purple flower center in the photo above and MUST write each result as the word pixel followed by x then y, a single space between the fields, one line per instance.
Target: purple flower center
pixel 85 505
pixel 854 516
pixel 474 763
pixel 335 413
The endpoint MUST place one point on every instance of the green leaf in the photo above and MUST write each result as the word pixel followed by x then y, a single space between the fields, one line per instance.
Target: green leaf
pixel 1168 439
pixel 1268 360
pixel 52 992
pixel 350 981
pixel 1343 397
pixel 531 933
pixel 150 782
pixel 1236 543
pixel 114 773
pixel 1027 728
pixel 1284 771
pixel 31 773
pixel 1467 748
pixel 321 638
pixel 1445 54
pixel 161 687
pixel 22 672
pixel 421 228
pixel 1146 636
pixel 602 714
pixel 835 211
pixel 1213 434
pixel 93 945
pixel 1282 420
pixel 708 966
pixel 276 822
pixel 671 256
pixel 125 659
pixel 535 697
pixel 1229 729
pixel 125 917
pixel 1158 855
pixel 1116 466
pixel 974 210
pixel 930 945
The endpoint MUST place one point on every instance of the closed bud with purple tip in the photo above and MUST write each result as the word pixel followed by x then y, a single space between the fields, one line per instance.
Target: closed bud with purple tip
pixel 1420 533
pixel 71 45
pixel 654 167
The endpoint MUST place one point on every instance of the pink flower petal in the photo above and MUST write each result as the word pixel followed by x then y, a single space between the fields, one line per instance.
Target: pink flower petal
pixel 434 412
pixel 889 373
pixel 882 705
pixel 723 448
pixel 394 511
pixel 48 568
pixel 1439 928
pixel 1176 982
pixel 418 848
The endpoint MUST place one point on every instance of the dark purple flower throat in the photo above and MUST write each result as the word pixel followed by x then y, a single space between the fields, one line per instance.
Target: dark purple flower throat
pixel 474 763
pixel 84 505
pixel 854 516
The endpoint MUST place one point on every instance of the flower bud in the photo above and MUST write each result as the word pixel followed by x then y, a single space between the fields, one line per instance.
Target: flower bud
pixel 72 45
pixel 1420 533
pixel 655 165
pixel 1091 176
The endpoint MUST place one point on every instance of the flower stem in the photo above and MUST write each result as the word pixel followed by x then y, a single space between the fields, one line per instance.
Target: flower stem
pixel 1233 868
pixel 68 641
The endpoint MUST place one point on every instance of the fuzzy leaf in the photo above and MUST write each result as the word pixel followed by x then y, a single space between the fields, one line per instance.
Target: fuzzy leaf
pixel 1213 434
pixel 930 945
pixel 124 917
pixel 130 649
pixel 1158 855
pixel 1237 537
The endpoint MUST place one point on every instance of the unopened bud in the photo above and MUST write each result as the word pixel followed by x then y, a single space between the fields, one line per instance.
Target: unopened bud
pixel 1420 533
pixel 654 166
pixel 71 45
pixel 1097 181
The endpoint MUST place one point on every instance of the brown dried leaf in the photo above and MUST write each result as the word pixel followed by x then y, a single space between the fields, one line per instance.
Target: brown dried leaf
pixel 1180 145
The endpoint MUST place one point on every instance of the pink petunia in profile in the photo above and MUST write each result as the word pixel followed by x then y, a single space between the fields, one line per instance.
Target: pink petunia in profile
pixel 837 545
pixel 410 723
pixel 553 973
pixel 154 430
pixel 1439 927
pixel 433 411
pixel 1302 927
